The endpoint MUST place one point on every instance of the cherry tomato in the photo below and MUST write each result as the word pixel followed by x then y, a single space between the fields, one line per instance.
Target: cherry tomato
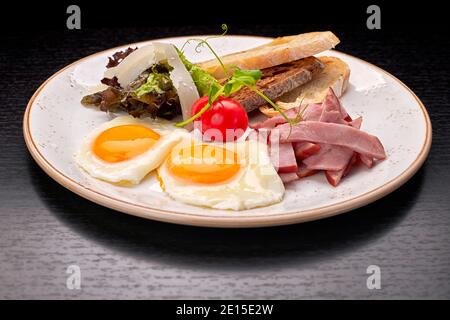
pixel 225 120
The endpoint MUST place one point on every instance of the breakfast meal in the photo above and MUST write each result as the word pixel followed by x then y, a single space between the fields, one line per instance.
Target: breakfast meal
pixel 200 127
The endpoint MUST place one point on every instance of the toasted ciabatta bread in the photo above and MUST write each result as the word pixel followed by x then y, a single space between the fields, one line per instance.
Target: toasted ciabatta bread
pixel 279 51
pixel 278 80
pixel 336 75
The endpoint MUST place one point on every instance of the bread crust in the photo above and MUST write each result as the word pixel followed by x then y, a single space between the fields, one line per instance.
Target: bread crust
pixel 279 51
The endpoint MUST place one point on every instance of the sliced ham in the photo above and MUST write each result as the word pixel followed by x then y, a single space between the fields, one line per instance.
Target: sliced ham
pixel 332 110
pixel 282 155
pixel 334 177
pixel 331 103
pixel 330 157
pixel 288 177
pixel 333 159
pixel 351 164
pixel 366 160
pixel 305 149
pixel 287 161
pixel 355 123
pixel 312 112
pixel 326 139
pixel 304 172
pixel 331 133
pixel 333 117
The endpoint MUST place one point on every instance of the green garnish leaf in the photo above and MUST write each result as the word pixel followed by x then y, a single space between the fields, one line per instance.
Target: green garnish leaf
pixel 249 77
pixel 213 92
pixel 240 79
pixel 231 86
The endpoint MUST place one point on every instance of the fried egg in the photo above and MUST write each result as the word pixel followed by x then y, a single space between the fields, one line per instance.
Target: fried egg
pixel 124 150
pixel 233 176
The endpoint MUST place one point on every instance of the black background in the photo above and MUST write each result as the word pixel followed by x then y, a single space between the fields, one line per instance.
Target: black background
pixel 44 227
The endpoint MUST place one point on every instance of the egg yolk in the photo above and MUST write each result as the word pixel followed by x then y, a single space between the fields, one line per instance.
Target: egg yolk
pixel 124 142
pixel 203 163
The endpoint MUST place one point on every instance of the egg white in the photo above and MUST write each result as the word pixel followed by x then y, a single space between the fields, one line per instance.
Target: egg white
pixel 133 170
pixel 256 184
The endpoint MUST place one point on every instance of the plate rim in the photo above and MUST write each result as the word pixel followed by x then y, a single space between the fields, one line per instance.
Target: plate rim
pixel 221 221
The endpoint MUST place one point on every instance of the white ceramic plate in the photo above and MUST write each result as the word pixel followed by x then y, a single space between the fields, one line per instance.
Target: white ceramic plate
pixel 55 124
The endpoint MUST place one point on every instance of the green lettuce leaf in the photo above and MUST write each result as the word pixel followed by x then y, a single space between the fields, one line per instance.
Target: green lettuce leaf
pixel 152 85
pixel 158 81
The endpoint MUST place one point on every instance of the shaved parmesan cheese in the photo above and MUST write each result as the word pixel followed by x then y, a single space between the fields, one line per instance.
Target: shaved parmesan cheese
pixel 133 65
pixel 182 81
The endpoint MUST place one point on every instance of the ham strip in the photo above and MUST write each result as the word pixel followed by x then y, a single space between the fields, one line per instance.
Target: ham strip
pixel 312 112
pixel 282 155
pixel 333 117
pixel 327 139
pixel 331 103
pixel 288 177
pixel 305 149
pixel 330 157
pixel 286 158
pixel 336 134
pixel 356 123
pixel 304 172
pixel 332 110
pixel 367 161
pixel 334 177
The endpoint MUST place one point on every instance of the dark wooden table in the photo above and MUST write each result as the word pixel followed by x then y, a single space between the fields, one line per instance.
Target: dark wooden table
pixel 44 228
